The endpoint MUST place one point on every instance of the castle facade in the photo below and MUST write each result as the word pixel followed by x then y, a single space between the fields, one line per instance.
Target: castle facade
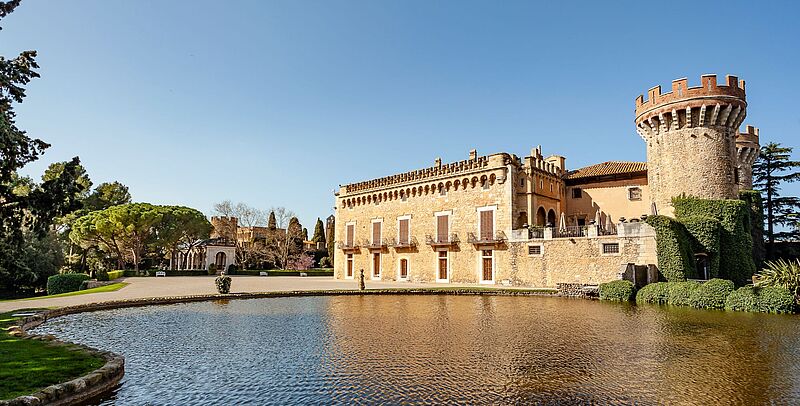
pixel 502 219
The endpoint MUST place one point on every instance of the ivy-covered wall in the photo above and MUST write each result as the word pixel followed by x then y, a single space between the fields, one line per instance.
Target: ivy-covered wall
pixel 719 228
pixel 753 200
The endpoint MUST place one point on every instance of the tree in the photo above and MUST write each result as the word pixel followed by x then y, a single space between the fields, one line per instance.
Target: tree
pixel 773 168
pixel 305 234
pixel 293 243
pixel 331 236
pixel 249 247
pixel 56 169
pixel 107 194
pixel 180 230
pixel 319 232
pixel 272 224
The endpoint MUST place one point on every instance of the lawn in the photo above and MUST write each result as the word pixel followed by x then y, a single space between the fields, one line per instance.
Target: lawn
pixel 108 288
pixel 27 366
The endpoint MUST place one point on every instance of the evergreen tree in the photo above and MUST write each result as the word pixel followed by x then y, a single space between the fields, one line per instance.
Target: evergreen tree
pixel 773 168
pixel 331 237
pixel 272 224
pixel 319 232
pixel 305 234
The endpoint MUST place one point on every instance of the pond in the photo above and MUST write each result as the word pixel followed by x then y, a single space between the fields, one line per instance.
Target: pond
pixel 442 349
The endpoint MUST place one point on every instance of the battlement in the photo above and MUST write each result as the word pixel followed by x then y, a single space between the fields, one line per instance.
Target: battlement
pixel 474 164
pixel 749 135
pixel 708 89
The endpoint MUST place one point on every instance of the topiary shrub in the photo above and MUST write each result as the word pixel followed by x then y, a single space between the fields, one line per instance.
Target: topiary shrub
pixel 774 299
pixel 102 275
pixel 743 299
pixel 618 291
pixel 115 274
pixel 232 269
pixel 757 299
pixel 712 294
pixel 657 293
pixel 223 283
pixel 67 282
pixel 680 292
pixel 212 269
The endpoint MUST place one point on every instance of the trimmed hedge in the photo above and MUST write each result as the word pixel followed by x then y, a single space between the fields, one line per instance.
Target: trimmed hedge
pixel 67 282
pixel 656 293
pixel 618 291
pixel 284 272
pixel 115 275
pixel 761 299
pixel 712 294
pixel 681 292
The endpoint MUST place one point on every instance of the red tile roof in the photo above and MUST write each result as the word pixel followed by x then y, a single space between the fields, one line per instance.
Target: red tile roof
pixel 607 168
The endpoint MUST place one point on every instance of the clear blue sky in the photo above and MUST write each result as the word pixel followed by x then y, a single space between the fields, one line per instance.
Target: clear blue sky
pixel 275 103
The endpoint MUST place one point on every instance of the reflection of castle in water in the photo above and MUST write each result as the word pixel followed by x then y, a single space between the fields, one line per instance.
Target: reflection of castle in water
pixel 507 350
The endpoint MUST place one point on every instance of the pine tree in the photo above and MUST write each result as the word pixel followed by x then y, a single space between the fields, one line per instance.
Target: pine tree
pixel 773 168
pixel 273 223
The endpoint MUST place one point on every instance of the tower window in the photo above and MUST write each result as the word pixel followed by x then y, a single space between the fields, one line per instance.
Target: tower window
pixel 635 193
pixel 577 193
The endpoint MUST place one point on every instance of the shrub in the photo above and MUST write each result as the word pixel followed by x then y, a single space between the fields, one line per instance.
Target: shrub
pixel 115 274
pixel 212 269
pixel 102 275
pixel 774 299
pixel 619 291
pixel 63 283
pixel 757 299
pixel 657 293
pixel 232 269
pixel 223 283
pixel 680 292
pixel 743 299
pixel 781 273
pixel 712 294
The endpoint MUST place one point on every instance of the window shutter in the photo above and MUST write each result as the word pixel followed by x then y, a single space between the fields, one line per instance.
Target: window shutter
pixel 442 230
pixel 376 233
pixel 487 225
pixel 404 231
pixel 350 232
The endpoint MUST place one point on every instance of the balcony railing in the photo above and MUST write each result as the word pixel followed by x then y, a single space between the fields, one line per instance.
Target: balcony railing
pixel 569 232
pixel 535 232
pixel 376 245
pixel 442 241
pixel 344 246
pixel 411 242
pixel 498 238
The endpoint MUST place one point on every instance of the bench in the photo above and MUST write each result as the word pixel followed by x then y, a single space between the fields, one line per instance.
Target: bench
pixel 263 274
pixel 160 273
pixel 303 274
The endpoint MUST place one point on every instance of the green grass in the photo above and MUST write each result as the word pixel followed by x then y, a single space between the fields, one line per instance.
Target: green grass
pixel 107 288
pixel 27 366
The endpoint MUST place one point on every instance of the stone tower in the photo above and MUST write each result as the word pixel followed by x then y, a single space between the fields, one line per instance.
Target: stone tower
pixel 224 227
pixel 747 149
pixel 691 139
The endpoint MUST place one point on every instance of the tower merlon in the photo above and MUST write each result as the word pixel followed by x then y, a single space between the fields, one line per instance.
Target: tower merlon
pixel 709 92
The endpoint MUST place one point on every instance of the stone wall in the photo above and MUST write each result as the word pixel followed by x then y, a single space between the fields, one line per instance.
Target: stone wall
pixel 610 198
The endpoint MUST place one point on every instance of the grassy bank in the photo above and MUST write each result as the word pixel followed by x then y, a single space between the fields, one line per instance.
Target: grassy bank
pixel 108 288
pixel 27 366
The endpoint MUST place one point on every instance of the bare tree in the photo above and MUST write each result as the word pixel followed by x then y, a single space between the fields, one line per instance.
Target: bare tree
pixel 280 243
pixel 249 247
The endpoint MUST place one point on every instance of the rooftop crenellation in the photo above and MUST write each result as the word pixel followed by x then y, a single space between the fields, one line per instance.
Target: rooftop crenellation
pixel 733 88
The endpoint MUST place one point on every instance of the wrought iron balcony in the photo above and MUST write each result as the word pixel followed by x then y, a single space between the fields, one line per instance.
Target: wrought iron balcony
pixel 442 241
pixel 410 243
pixel 498 238
pixel 344 246
pixel 376 245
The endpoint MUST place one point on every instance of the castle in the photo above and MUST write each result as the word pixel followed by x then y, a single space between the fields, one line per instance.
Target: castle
pixel 502 219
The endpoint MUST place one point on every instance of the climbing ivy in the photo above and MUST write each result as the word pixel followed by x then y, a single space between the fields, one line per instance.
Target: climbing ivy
pixel 673 248
pixel 753 200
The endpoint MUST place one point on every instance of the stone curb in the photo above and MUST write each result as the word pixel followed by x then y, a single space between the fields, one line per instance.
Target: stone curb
pixel 108 376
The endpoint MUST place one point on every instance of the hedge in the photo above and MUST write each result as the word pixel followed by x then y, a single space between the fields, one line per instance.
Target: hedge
pixel 619 291
pixel 704 236
pixel 284 272
pixel 115 275
pixel 712 294
pixel 752 199
pixel 657 293
pixel 680 292
pixel 735 241
pixel 67 282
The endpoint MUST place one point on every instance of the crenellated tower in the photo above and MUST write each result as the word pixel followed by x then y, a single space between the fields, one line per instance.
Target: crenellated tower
pixel 747 149
pixel 691 139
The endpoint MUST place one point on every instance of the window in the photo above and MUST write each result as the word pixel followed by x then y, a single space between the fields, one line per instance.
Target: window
pixel 487 266
pixel 541 184
pixel 611 248
pixel 534 250
pixel 376 265
pixel 441 271
pixel 522 181
pixel 403 232
pixel 351 231
pixel 635 193
pixel 403 197
pixel 551 186
pixel 349 265
pixel 486 221
pixel 577 193
pixel 442 191
pixel 485 185
pixel 442 228
pixel 403 268
pixel 376 232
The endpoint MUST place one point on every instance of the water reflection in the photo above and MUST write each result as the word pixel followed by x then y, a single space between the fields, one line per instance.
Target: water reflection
pixel 443 349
